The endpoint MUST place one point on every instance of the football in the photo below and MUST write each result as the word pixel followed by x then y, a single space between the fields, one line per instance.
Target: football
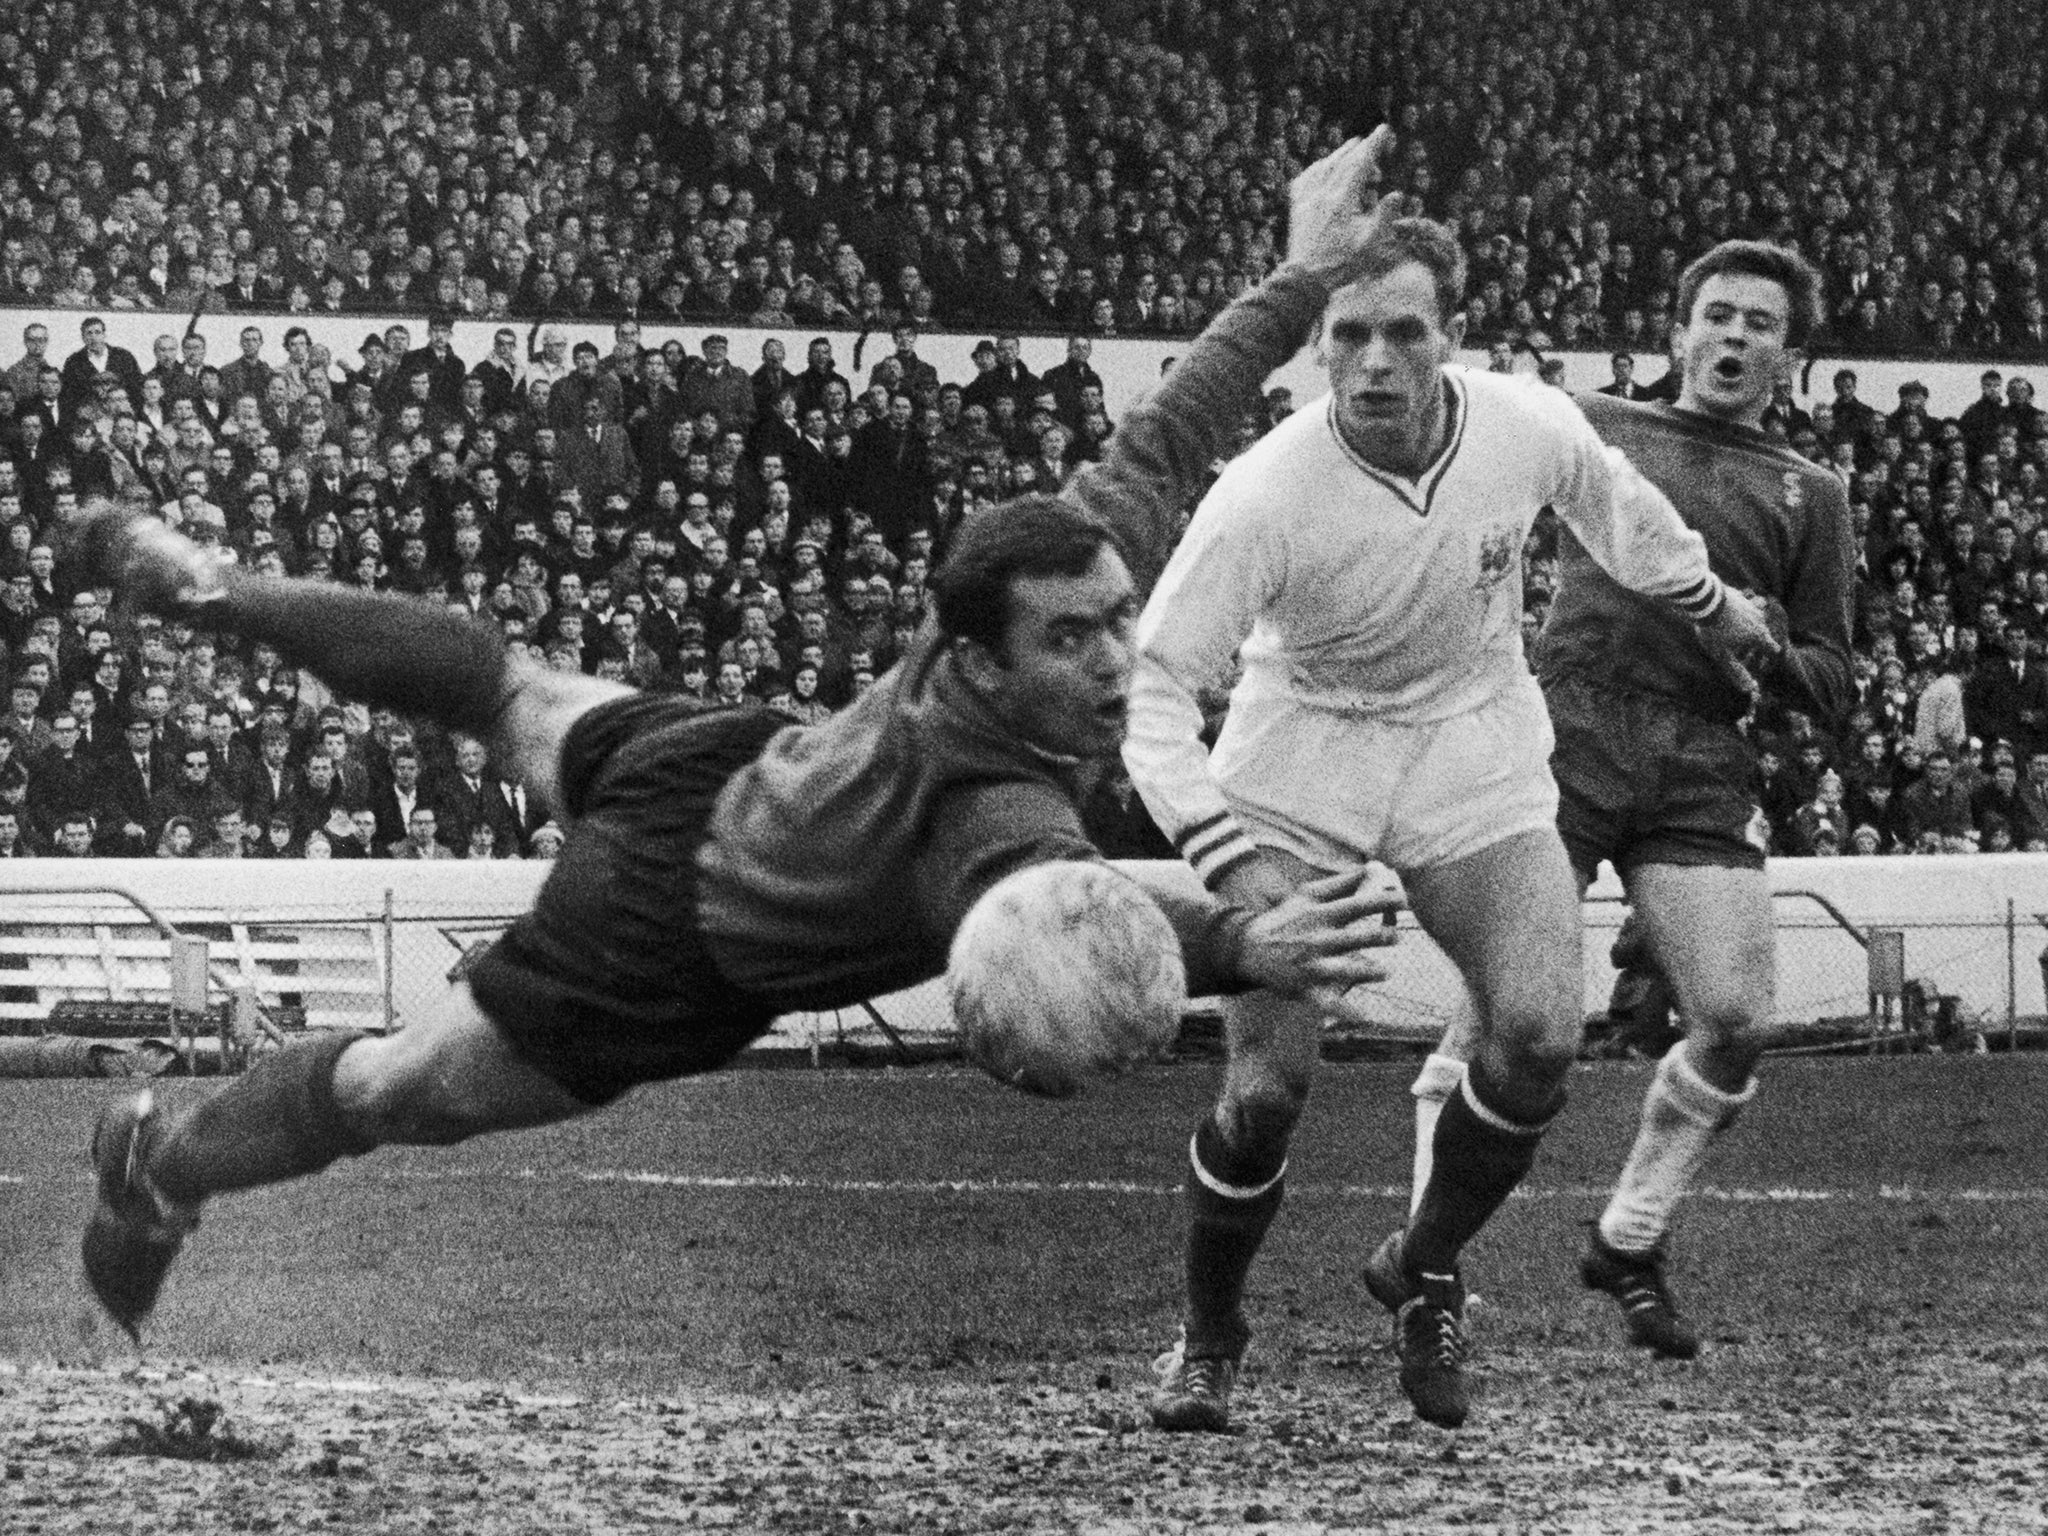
pixel 1063 972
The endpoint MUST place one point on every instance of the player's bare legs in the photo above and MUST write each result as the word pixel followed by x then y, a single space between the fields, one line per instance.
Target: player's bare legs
pixel 1236 1181
pixel 1508 918
pixel 448 1075
pixel 1710 929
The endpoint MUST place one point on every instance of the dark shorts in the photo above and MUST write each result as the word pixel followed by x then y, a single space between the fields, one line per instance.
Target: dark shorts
pixel 606 983
pixel 1642 781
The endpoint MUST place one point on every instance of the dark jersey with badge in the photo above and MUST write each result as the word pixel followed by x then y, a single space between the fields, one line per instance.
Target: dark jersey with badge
pixel 1775 525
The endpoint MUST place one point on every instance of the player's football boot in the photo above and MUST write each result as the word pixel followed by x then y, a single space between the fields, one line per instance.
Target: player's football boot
pixel 1429 1333
pixel 135 1231
pixel 1194 1390
pixel 1636 1280
pixel 149 564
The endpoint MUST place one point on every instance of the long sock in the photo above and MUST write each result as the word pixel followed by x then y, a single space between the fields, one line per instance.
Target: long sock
pixel 1481 1154
pixel 380 648
pixel 1683 1113
pixel 1437 1081
pixel 1233 1195
pixel 276 1121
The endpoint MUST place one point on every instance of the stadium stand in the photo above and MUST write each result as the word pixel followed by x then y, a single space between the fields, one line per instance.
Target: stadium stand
pixel 760 528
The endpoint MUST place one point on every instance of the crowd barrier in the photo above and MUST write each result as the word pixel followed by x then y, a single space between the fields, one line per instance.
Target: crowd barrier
pixel 372 944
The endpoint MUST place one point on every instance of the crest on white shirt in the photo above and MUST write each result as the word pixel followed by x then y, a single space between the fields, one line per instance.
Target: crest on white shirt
pixel 1498 546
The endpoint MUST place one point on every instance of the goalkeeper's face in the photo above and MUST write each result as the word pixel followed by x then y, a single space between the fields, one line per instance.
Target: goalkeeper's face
pixel 1063 679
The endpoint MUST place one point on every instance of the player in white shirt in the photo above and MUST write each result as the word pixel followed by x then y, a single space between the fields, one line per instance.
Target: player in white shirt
pixel 1363 563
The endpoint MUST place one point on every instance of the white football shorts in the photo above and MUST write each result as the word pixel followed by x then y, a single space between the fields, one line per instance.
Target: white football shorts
pixel 1338 789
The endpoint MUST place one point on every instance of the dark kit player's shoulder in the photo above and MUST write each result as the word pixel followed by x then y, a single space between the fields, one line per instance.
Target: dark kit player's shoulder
pixel 1618 420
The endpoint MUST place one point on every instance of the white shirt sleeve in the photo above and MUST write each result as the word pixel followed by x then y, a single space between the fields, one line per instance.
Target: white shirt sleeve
pixel 1628 526
pixel 1226 569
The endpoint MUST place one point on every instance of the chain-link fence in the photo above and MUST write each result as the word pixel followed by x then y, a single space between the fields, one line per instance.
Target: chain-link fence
pixel 97 965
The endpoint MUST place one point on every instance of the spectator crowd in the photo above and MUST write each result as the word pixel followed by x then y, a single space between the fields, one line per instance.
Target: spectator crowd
pixel 671 520
pixel 731 536
pixel 1112 168
pixel 761 529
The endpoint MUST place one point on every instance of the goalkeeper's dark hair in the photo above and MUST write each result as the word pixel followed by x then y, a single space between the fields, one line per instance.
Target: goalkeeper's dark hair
pixel 1028 536
pixel 1759 258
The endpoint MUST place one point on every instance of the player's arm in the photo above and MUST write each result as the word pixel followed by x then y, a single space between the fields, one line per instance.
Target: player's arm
pixel 1226 570
pixel 1635 535
pixel 1320 940
pixel 1163 448
pixel 1812 619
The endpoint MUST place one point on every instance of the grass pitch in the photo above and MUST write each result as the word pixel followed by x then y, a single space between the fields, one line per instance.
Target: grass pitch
pixel 913 1301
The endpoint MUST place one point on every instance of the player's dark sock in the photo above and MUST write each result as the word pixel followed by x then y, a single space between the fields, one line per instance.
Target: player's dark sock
pixel 276 1121
pixel 1481 1154
pixel 408 655
pixel 1233 1195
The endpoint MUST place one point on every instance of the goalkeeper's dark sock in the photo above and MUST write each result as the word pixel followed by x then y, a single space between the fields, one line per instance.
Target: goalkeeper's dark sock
pixel 276 1121
pixel 1481 1154
pixel 1233 1195
pixel 380 648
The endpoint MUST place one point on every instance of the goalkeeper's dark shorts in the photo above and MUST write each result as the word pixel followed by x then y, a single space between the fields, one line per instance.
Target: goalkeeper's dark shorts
pixel 1642 780
pixel 607 982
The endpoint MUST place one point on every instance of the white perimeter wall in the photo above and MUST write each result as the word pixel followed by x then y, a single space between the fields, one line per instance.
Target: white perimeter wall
pixel 1128 368
pixel 1954 911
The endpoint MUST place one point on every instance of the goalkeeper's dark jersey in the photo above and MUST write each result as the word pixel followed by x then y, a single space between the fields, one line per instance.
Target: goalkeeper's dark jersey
pixel 839 864
pixel 1775 525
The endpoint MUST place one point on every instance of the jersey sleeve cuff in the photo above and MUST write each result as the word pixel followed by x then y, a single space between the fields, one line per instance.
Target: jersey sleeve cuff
pixel 1214 846
pixel 1703 600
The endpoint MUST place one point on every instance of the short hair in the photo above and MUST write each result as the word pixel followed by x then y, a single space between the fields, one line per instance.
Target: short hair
pixel 1029 536
pixel 1424 241
pixel 1775 263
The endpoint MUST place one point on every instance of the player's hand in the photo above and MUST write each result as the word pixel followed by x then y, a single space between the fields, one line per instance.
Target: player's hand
pixel 1775 616
pixel 1318 941
pixel 1741 628
pixel 1257 884
pixel 1334 210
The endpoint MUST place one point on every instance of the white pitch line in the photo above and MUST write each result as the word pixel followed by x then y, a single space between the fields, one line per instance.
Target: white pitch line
pixel 793 1184
pixel 1775 1195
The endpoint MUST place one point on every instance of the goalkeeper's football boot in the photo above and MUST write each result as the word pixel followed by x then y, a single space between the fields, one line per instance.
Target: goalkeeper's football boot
pixel 135 1231
pixel 1636 1280
pixel 1194 1390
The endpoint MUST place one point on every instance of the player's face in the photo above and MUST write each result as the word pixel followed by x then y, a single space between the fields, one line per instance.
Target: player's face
pixel 1385 342
pixel 1733 347
pixel 1065 682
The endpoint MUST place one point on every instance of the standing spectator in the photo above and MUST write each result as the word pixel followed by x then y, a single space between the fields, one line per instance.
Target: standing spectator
pixel 96 364
pixel 420 841
pixel 584 383
pixel 248 374
pixel 820 376
pixel 1624 385
pixel 771 381
pixel 1936 803
pixel 24 375
pixel 1940 718
pixel 2006 698
pixel 595 458
pixel 1071 380
pixel 437 361
pixel 717 386
pixel 1985 417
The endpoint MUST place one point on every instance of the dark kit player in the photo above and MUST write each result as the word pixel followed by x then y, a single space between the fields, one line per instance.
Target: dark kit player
pixel 722 868
pixel 1653 770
